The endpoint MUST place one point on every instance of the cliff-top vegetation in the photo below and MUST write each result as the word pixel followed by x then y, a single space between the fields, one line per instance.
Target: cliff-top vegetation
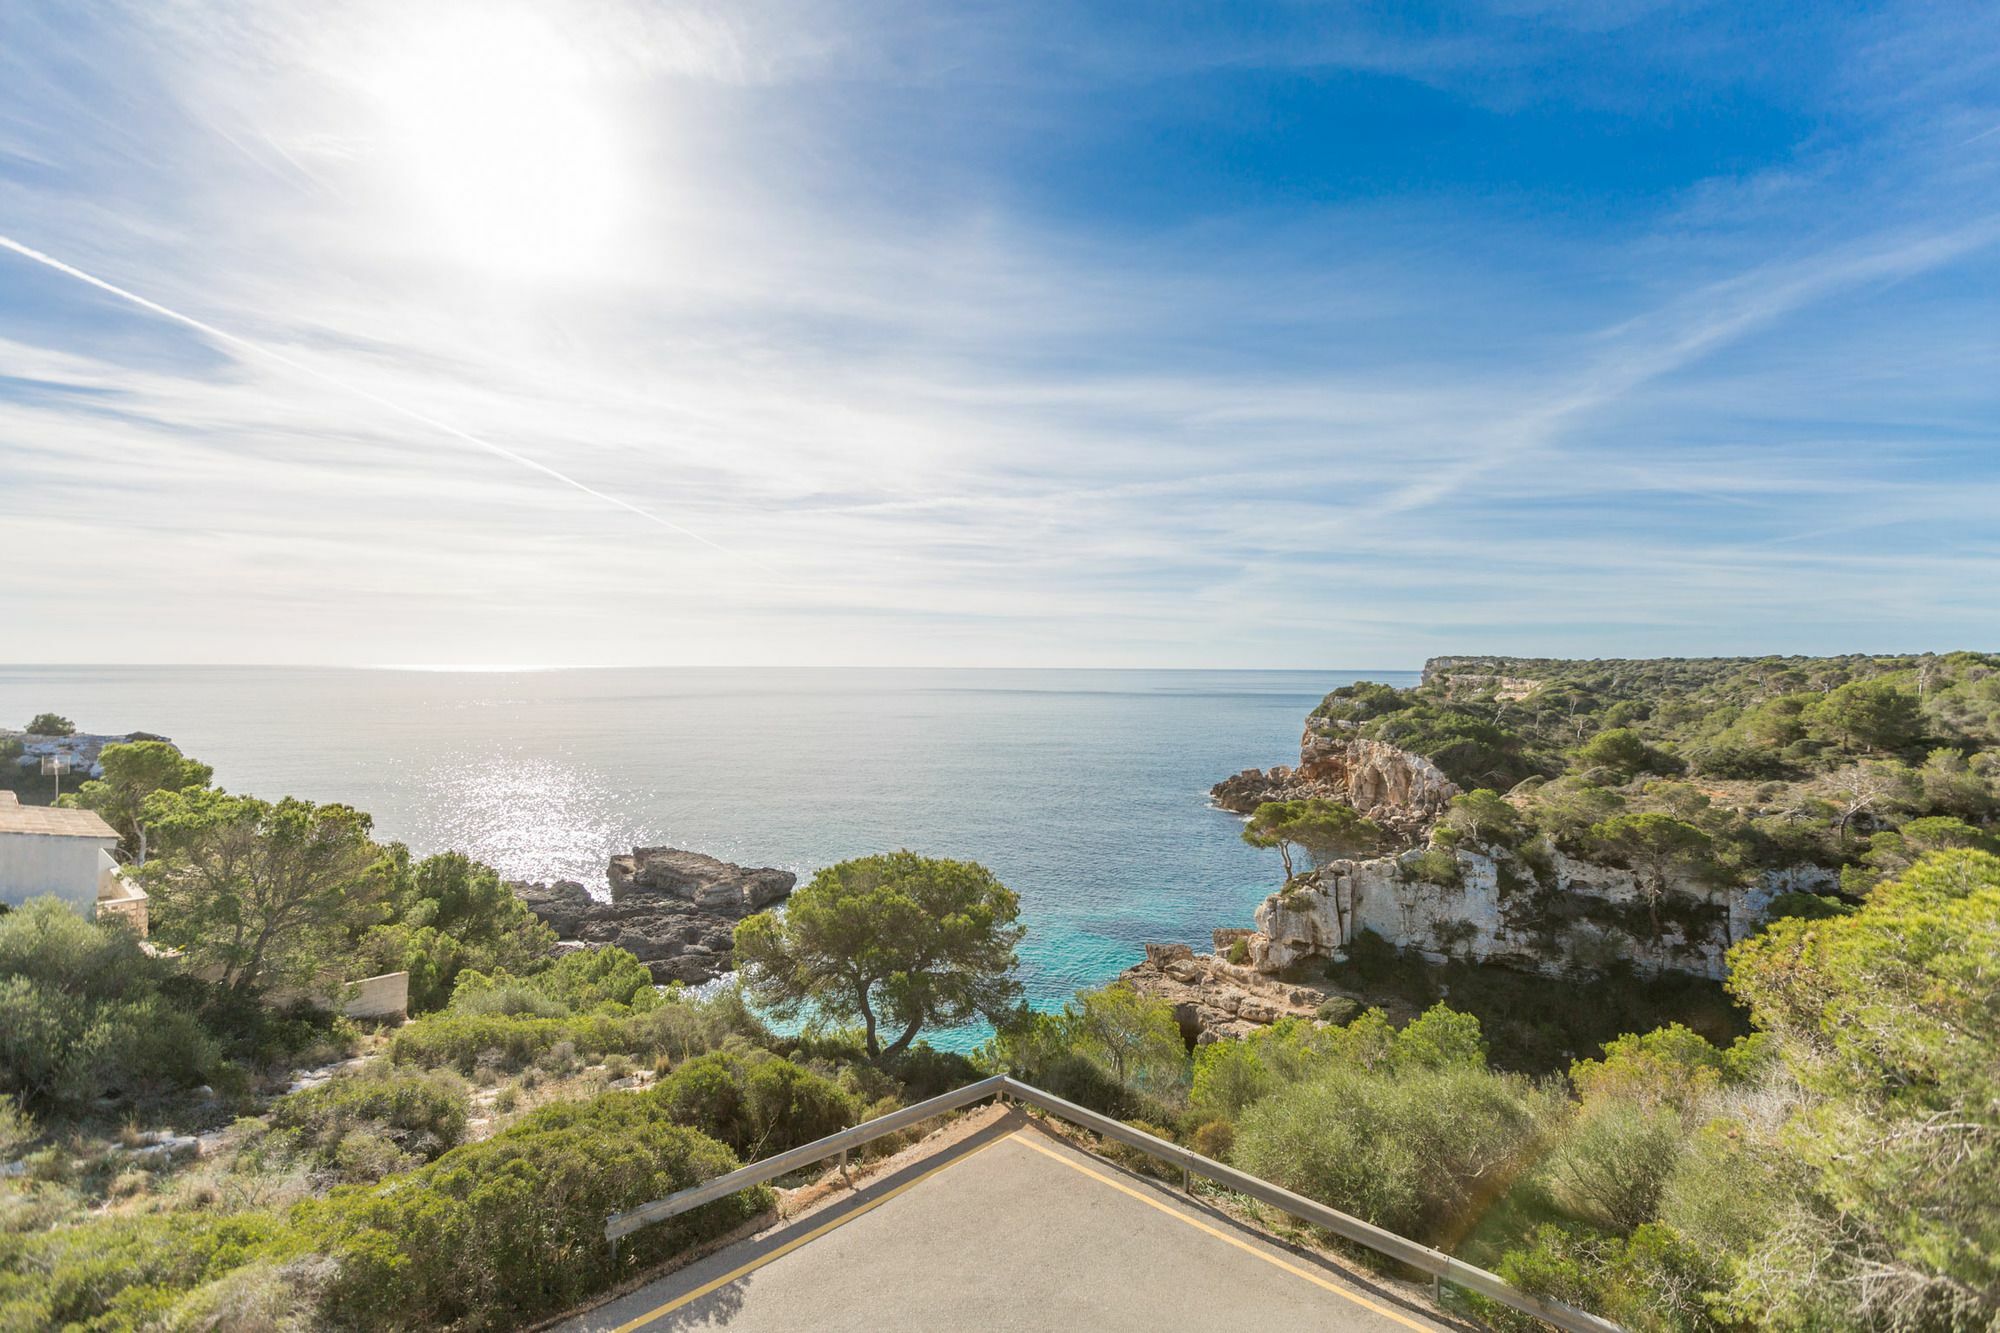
pixel 1719 767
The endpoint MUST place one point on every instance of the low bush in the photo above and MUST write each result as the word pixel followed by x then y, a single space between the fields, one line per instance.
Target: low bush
pixel 17 1129
pixel 83 1015
pixel 579 981
pixel 757 1104
pixel 463 1040
pixel 926 1073
pixel 502 1232
pixel 509 1024
pixel 1609 1166
pixel 1213 1138
pixel 1407 1148
pixel 126 1273
pixel 1337 1010
pixel 422 1113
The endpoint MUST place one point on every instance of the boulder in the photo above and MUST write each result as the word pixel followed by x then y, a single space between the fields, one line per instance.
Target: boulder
pixel 563 905
pixel 717 886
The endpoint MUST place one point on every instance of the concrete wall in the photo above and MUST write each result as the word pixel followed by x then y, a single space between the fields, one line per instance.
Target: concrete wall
pixel 386 996
pixel 32 864
pixel 120 897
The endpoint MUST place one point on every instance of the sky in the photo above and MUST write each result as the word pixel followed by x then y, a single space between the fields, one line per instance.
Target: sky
pixel 1037 334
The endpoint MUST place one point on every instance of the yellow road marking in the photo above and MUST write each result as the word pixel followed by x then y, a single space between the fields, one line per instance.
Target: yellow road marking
pixel 1237 1241
pixel 790 1245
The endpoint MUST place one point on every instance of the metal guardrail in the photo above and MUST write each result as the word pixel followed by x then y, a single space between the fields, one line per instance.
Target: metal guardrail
pixel 1437 1263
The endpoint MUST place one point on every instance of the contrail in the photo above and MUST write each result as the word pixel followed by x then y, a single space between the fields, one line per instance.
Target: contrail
pixel 445 427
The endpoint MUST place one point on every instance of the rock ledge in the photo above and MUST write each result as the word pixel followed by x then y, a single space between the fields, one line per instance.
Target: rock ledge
pixel 1214 999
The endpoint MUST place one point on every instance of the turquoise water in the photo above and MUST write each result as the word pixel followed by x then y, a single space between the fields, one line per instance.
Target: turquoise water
pixel 1085 791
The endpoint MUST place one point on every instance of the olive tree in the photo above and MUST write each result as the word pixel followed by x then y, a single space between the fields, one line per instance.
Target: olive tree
pixel 897 942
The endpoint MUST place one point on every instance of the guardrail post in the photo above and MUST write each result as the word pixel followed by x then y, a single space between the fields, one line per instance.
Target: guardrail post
pixel 843 1167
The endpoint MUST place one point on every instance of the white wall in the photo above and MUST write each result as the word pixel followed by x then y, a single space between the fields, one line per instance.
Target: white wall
pixel 32 864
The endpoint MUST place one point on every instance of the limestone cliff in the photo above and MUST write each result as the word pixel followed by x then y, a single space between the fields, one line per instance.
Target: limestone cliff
pixel 1557 918
pixel 1400 791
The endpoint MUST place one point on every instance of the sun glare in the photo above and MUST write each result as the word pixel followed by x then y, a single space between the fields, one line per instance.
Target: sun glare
pixel 499 147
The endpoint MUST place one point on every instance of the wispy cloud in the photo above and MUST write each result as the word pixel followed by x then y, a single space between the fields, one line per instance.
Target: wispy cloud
pixel 451 344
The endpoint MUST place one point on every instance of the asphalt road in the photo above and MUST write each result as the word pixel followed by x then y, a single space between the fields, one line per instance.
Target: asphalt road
pixel 1011 1229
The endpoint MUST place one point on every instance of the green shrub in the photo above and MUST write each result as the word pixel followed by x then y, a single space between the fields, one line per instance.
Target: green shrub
pixel 510 1023
pixel 82 1012
pixel 125 1273
pixel 1611 1163
pixel 1435 865
pixel 1214 1139
pixel 1652 1282
pixel 576 983
pixel 262 1035
pixel 502 1232
pixel 462 1040
pixel 17 1129
pixel 1406 1149
pixel 1228 1078
pixel 1337 1010
pixel 510 997
pixel 1239 952
pixel 680 1027
pixel 926 1073
pixel 758 1105
pixel 421 1113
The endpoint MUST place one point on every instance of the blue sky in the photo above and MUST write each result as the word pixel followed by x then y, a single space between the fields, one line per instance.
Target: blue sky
pixel 1198 335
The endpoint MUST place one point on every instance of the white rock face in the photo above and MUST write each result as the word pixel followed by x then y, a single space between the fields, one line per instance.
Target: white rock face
pixel 1403 792
pixel 1574 916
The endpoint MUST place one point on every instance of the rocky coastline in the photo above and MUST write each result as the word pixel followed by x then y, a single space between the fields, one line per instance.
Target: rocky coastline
pixel 1213 998
pixel 675 910
pixel 1402 792
pixel 1550 914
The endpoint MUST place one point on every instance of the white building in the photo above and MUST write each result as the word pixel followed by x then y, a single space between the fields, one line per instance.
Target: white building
pixel 67 853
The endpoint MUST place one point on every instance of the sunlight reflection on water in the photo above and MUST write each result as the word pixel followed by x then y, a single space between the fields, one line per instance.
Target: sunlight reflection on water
pixel 1084 791
pixel 540 819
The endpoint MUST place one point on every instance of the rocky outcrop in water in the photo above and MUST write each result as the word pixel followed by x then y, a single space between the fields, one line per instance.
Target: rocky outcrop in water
pixel 716 886
pixel 674 910
pixel 1402 792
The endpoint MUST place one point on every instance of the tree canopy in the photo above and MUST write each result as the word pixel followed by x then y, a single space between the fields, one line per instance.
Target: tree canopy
pixel 50 724
pixel 896 943
pixel 1887 1017
pixel 261 893
pixel 1325 830
pixel 132 772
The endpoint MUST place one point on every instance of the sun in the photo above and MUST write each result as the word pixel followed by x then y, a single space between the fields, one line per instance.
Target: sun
pixel 495 144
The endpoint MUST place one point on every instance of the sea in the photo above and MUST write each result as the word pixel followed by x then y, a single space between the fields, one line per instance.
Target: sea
pixel 1086 792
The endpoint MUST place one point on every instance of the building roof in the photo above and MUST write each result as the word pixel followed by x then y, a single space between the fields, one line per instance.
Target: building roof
pixel 47 820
